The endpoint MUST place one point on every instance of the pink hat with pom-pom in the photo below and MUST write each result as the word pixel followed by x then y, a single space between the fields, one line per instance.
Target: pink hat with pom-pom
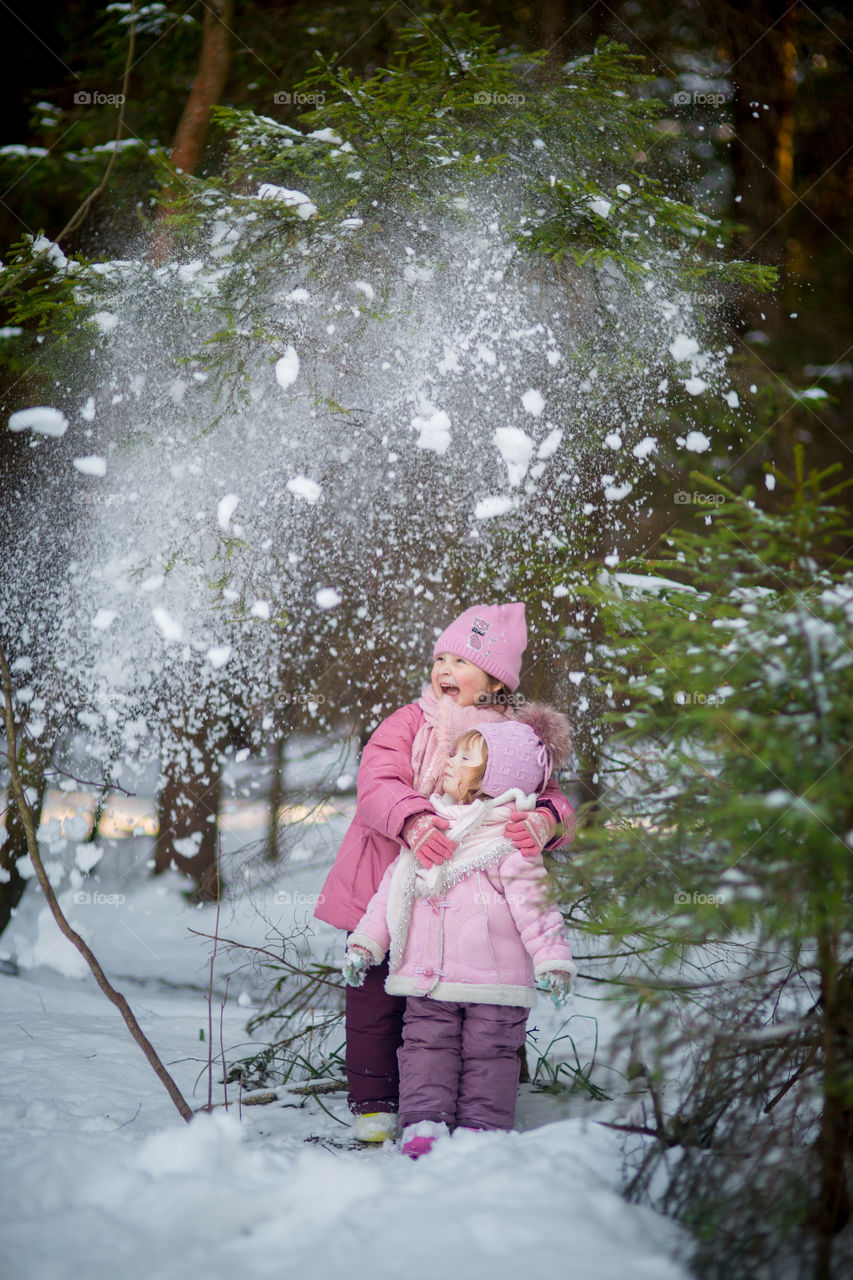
pixel 491 636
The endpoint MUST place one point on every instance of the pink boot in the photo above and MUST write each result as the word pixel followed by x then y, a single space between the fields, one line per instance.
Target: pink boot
pixel 419 1138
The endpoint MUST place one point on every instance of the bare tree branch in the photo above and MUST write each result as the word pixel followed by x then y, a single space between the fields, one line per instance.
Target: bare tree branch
pixel 28 822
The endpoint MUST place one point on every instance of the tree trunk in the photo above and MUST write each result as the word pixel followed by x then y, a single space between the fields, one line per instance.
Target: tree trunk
pixel 566 25
pixel 760 49
pixel 206 92
pixel 276 799
pixel 208 85
pixel 15 845
pixel 553 21
pixel 832 1212
pixel 188 805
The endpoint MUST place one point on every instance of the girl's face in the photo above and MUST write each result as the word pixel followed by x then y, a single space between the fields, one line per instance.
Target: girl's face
pixel 461 768
pixel 460 680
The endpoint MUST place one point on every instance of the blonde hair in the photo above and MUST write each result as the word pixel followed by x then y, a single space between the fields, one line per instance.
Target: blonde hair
pixel 477 772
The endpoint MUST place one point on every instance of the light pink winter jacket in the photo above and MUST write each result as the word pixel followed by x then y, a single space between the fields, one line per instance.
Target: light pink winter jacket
pixel 475 929
pixel 386 798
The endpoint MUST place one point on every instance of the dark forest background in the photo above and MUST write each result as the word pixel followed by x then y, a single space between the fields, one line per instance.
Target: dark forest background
pixel 778 141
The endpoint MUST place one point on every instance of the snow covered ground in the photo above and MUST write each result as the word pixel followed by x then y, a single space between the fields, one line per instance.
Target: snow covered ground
pixel 102 1178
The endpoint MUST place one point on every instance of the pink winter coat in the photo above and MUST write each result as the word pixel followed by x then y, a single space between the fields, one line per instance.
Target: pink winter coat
pixel 386 798
pixel 475 929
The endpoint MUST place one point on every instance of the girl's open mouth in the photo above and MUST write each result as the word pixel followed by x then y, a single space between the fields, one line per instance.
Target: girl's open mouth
pixel 449 690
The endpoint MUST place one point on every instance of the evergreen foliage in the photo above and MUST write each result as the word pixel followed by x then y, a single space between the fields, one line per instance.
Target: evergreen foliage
pixel 719 855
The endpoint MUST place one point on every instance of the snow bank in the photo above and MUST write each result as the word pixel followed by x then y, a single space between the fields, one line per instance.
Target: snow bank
pixel 103 1180
pixel 203 1200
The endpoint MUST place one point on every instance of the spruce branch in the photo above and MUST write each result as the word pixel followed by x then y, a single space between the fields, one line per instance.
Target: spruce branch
pixel 80 214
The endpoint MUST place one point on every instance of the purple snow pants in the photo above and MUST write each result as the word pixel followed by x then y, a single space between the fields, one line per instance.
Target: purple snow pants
pixel 459 1062
pixel 374 1026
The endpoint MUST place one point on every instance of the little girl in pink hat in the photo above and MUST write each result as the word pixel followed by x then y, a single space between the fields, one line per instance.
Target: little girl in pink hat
pixel 469 939
pixel 476 659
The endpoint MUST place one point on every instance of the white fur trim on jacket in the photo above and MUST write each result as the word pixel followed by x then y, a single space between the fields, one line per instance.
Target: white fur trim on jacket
pixel 362 940
pixel 555 966
pixel 463 992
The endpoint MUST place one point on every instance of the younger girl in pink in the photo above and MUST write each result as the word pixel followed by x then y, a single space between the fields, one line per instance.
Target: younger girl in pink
pixel 477 657
pixel 468 941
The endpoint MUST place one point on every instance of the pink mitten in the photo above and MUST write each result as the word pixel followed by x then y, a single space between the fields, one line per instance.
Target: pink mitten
pixel 424 835
pixel 530 831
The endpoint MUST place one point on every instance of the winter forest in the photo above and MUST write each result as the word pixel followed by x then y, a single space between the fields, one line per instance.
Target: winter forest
pixel 323 323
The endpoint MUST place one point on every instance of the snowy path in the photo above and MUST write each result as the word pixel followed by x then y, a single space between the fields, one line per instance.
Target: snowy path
pixel 103 1180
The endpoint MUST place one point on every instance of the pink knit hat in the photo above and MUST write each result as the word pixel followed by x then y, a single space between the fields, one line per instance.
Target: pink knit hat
pixel 517 758
pixel 492 636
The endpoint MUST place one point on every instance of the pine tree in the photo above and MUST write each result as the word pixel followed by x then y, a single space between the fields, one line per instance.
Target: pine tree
pixel 719 856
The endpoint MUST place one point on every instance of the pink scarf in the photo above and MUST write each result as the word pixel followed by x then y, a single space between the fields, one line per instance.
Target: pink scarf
pixel 444 722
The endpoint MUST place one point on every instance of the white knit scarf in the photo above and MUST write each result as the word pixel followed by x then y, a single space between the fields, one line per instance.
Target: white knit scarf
pixel 409 880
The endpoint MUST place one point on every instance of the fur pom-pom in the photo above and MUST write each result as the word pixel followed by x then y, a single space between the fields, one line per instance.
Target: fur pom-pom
pixel 551 727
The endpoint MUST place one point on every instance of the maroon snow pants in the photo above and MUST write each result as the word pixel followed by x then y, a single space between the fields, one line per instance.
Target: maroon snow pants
pixel 374 1026
pixel 459 1062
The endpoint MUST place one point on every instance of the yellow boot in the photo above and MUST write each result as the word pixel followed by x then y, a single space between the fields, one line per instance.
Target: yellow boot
pixel 375 1126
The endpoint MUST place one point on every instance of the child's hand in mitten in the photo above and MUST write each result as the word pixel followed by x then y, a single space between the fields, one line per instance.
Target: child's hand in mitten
pixel 355 966
pixel 424 835
pixel 558 985
pixel 530 831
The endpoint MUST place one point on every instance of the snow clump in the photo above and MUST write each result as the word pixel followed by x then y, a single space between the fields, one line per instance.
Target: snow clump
pixel 41 419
